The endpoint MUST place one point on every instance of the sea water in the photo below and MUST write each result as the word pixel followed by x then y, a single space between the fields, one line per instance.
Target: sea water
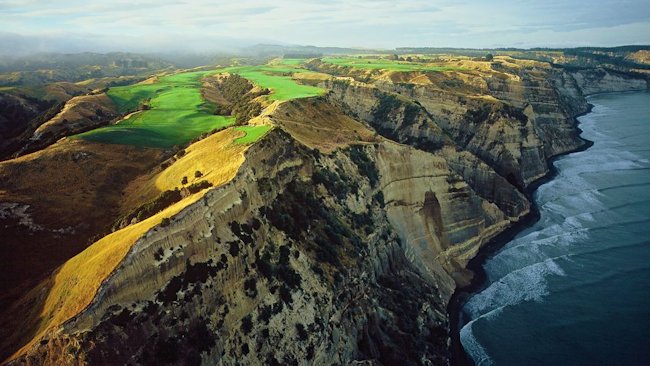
pixel 574 289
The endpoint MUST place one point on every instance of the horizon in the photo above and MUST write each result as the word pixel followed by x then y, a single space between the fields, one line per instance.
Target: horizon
pixel 197 26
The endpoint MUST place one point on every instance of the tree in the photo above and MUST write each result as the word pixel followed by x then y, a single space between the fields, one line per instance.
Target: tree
pixel 489 57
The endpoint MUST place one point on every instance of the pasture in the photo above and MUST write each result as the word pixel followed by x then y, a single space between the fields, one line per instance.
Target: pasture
pixel 178 113
pixel 384 64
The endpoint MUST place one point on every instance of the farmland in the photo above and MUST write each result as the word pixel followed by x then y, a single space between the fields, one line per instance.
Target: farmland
pixel 384 64
pixel 174 112
pixel 278 79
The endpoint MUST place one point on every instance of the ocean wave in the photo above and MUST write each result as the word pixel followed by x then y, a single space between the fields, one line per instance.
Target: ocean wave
pixel 471 345
pixel 525 284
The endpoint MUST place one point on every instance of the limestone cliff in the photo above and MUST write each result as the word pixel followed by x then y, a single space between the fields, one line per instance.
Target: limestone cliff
pixel 345 232
pixel 302 258
pixel 592 81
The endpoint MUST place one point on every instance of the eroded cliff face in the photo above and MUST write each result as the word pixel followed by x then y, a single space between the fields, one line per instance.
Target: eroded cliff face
pixel 302 258
pixel 332 244
pixel 596 81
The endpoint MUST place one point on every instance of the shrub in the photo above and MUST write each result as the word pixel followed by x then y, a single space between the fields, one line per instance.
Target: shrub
pixel 198 186
pixel 247 324
pixel 250 287
pixel 365 164
pixel 234 248
pixel 302 333
pixel 164 200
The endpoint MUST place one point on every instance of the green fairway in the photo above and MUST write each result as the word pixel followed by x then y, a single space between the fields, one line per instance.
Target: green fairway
pixel 383 64
pixel 278 79
pixel 253 133
pixel 292 61
pixel 178 113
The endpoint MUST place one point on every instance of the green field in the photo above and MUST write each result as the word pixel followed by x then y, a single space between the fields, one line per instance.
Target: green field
pixel 278 79
pixel 253 133
pixel 292 61
pixel 178 113
pixel 383 64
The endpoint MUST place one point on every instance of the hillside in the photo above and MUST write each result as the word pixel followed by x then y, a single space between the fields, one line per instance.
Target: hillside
pixel 303 211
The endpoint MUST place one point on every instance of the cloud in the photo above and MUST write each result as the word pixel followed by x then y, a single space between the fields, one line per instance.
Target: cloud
pixel 371 23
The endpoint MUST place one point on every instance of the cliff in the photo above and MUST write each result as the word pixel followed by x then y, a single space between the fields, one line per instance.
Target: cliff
pixel 344 232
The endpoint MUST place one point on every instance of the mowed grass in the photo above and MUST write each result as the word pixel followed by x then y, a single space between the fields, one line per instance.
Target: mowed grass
pixel 383 64
pixel 278 79
pixel 292 61
pixel 178 113
pixel 253 133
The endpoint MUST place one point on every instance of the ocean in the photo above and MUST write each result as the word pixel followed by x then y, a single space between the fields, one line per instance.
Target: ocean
pixel 574 288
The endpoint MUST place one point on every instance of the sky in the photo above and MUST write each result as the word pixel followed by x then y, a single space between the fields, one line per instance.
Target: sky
pixel 203 25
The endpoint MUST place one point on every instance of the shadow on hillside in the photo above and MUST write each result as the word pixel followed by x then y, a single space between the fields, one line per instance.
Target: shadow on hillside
pixel 19 322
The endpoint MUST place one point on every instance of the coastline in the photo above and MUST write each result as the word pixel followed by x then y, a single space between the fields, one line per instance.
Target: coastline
pixel 454 308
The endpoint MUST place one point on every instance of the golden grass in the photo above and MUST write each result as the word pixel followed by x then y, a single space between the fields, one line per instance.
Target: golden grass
pixel 320 125
pixel 216 157
pixel 76 283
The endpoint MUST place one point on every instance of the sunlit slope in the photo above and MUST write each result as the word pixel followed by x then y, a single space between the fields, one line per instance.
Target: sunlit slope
pixel 178 113
pixel 211 158
pixel 77 282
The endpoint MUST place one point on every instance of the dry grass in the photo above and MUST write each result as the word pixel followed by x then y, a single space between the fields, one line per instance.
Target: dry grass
pixel 78 109
pixel 76 282
pixel 216 157
pixel 320 125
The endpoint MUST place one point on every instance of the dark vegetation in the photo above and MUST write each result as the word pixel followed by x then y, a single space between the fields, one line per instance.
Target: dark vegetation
pixel 190 280
pixel 334 184
pixel 401 342
pixel 238 92
pixel 394 118
pixel 164 200
pixel 305 219
pixel 365 164
pixel 488 111
pixel 20 116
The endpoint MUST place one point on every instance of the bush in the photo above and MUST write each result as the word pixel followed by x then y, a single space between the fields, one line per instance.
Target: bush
pixel 302 333
pixel 234 248
pixel 198 186
pixel 164 200
pixel 250 287
pixel 365 164
pixel 247 324
pixel 198 174
pixel 387 104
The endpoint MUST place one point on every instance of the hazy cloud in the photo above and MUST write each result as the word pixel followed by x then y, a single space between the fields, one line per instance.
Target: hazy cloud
pixel 371 23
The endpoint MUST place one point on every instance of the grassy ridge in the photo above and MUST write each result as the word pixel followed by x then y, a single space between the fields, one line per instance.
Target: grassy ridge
pixel 253 133
pixel 277 78
pixel 178 113
pixel 383 64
